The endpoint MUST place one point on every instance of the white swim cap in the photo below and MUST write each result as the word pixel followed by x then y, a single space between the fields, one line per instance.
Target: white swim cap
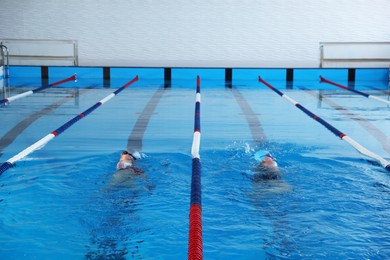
pixel 136 155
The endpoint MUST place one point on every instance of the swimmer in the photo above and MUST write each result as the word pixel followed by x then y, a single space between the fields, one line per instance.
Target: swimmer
pixel 267 165
pixel 126 161
pixel 267 177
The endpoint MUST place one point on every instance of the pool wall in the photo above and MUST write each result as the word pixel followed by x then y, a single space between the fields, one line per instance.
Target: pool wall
pixel 112 76
pixel 250 33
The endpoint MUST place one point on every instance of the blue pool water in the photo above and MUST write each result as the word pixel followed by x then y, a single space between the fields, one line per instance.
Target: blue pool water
pixel 66 200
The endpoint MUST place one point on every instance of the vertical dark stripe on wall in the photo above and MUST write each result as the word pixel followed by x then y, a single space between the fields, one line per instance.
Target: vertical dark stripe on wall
pixel 228 77
pixel 289 78
pixel 351 78
pixel 167 77
pixel 45 75
pixel 106 77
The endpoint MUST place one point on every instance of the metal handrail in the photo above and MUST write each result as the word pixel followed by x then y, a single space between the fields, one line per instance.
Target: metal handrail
pixel 5 59
pixel 42 55
pixel 1 54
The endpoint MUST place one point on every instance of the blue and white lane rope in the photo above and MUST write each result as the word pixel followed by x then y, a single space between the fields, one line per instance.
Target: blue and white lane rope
pixel 42 142
pixel 335 131
pixel 195 244
pixel 27 93
pixel 322 79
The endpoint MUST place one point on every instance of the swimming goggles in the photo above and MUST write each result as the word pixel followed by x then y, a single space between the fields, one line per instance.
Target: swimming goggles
pixel 126 152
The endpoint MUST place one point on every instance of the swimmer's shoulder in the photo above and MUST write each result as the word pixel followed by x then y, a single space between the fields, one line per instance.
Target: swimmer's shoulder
pixel 130 169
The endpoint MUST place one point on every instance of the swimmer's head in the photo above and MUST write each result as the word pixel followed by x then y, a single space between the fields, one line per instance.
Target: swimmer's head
pixel 265 158
pixel 261 154
pixel 126 160
pixel 127 156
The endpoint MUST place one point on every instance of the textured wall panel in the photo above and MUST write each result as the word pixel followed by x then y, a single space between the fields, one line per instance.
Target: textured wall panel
pixel 192 33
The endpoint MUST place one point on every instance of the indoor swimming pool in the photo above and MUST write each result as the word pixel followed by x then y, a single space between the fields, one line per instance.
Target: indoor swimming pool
pixel 67 201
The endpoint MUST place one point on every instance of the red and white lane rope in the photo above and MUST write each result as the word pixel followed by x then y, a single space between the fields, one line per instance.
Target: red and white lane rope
pixel 331 128
pixel 195 244
pixel 30 92
pixel 322 79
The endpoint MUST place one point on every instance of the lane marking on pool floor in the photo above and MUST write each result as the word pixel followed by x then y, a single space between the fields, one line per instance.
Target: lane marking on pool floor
pixel 134 142
pixel 252 119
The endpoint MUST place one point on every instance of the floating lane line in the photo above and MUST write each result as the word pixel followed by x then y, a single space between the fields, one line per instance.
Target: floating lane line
pixel 27 93
pixel 377 133
pixel 14 132
pixel 195 244
pixel 335 131
pixel 322 79
pixel 42 142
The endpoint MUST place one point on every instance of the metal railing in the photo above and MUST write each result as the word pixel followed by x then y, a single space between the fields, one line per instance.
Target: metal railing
pixel 354 54
pixel 42 52
pixel 4 61
pixel 4 70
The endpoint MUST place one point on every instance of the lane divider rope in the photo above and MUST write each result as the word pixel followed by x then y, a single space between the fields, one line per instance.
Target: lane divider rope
pixel 335 131
pixel 322 79
pixel 376 132
pixel 42 142
pixel 30 92
pixel 195 244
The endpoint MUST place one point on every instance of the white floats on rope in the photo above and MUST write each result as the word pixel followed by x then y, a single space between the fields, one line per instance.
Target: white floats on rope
pixel 196 140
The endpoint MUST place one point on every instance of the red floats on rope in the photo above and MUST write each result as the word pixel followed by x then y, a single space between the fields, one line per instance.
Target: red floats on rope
pixel 195 245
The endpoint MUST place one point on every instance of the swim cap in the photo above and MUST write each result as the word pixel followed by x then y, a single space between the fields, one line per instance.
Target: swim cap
pixel 261 154
pixel 136 155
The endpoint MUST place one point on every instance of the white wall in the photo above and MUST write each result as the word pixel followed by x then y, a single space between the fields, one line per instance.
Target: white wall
pixel 263 33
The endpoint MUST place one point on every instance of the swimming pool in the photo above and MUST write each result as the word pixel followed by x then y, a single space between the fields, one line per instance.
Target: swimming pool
pixel 65 200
